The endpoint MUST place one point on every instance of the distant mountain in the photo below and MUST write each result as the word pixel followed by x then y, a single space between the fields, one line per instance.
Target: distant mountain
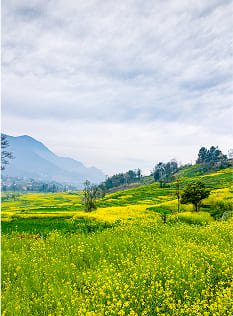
pixel 34 160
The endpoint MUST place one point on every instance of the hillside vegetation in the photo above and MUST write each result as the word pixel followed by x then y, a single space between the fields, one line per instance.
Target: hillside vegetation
pixel 133 255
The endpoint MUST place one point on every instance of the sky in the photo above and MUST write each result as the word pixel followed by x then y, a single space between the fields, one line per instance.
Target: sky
pixel 122 84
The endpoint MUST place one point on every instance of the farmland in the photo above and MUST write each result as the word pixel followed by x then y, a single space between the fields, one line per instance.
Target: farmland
pixel 121 259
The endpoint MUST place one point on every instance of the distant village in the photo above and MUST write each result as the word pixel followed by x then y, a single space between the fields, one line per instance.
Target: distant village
pixel 23 184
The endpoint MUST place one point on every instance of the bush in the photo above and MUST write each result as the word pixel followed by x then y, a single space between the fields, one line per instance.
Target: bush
pixel 227 215
pixel 220 207
pixel 163 212
pixel 201 218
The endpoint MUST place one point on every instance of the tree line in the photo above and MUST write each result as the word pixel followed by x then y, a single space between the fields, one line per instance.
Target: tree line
pixel 163 172
pixel 119 179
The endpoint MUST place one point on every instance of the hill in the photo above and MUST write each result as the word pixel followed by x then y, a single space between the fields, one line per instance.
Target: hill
pixel 131 201
pixel 34 160
pixel 152 194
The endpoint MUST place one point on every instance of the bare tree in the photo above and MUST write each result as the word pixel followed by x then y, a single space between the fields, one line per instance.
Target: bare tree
pixel 5 155
pixel 230 153
pixel 91 193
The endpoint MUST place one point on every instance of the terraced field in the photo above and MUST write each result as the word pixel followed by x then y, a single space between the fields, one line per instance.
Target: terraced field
pixel 41 205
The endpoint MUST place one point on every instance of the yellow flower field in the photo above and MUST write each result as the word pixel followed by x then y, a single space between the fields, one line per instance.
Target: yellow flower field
pixel 141 267
pixel 124 258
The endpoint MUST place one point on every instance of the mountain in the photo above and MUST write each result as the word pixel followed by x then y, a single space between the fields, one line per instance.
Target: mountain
pixel 34 160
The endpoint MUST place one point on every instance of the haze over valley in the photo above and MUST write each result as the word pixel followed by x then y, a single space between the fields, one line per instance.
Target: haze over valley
pixel 33 159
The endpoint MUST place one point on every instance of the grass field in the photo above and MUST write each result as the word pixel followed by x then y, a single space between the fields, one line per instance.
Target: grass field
pixel 121 259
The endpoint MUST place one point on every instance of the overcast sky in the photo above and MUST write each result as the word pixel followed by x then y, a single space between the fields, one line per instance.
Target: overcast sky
pixel 119 84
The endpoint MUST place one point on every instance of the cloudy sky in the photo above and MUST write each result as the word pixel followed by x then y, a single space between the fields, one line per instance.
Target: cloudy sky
pixel 119 84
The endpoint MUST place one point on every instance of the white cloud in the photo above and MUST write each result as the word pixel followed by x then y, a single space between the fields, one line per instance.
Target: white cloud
pixel 134 74
pixel 116 147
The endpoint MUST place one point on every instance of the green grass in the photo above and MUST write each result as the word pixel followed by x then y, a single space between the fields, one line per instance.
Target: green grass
pixel 42 204
pixel 199 218
pixel 153 194
pixel 45 226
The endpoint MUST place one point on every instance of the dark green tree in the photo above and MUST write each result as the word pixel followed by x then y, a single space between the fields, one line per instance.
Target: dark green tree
pixel 120 179
pixel 156 175
pixel 139 174
pixel 194 193
pixel 211 156
pixel 202 155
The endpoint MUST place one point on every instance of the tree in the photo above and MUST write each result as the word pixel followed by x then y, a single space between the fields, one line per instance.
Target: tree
pixel 202 155
pixel 211 156
pixel 139 174
pixel 230 153
pixel 5 155
pixel 91 193
pixel 120 179
pixel 194 193
pixel 156 175
pixel 159 172
pixel 163 172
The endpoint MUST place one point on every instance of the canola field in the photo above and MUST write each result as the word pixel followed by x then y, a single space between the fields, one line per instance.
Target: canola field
pixel 121 259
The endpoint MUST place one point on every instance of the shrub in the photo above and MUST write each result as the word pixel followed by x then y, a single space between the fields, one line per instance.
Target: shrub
pixel 201 218
pixel 227 215
pixel 163 212
pixel 220 207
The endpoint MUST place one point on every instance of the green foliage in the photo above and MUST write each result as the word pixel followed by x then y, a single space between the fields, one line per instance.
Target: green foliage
pixel 227 215
pixel 159 209
pixel 91 193
pixel 211 156
pixel 190 171
pixel 194 193
pixel 220 207
pixel 200 218
pixel 163 171
pixel 162 211
pixel 44 226
pixel 131 176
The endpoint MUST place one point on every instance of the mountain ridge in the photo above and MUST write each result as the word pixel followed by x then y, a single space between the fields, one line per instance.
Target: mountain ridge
pixel 33 159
